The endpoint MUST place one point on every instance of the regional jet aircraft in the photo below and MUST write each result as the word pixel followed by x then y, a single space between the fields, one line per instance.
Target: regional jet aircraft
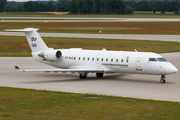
pixel 78 60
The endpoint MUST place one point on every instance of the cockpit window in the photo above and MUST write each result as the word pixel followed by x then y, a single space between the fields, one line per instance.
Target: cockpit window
pixel 161 59
pixel 152 59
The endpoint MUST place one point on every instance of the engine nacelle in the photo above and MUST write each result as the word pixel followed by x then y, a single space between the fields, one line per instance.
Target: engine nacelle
pixel 51 55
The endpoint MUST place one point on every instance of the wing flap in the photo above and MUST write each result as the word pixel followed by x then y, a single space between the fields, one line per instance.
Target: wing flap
pixel 62 70
pixel 79 70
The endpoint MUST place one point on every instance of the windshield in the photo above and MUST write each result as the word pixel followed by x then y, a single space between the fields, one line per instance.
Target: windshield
pixel 152 59
pixel 161 59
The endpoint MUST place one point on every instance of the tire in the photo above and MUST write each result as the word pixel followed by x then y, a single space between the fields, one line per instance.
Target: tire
pixel 163 81
pixel 99 74
pixel 82 76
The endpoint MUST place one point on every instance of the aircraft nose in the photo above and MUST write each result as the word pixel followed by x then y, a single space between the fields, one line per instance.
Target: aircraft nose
pixel 175 70
pixel 171 69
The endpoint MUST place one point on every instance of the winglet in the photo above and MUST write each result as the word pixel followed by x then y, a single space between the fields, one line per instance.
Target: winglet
pixel 15 66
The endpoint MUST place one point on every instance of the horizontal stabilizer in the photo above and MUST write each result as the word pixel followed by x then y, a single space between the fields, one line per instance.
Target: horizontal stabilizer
pixel 35 41
pixel 22 30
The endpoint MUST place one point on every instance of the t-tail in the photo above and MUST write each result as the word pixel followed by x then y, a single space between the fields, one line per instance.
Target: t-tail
pixel 35 41
pixel 38 46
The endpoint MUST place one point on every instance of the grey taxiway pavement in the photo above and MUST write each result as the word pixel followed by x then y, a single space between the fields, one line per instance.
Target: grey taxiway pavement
pixel 104 36
pixel 85 19
pixel 126 85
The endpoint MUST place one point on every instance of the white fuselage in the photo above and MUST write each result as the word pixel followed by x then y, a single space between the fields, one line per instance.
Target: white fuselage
pixel 111 61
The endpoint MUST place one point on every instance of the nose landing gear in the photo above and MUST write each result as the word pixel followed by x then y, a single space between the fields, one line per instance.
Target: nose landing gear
pixel 163 79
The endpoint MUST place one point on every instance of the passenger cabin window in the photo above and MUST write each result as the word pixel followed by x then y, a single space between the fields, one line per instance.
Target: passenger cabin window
pixel 152 59
pixel 121 60
pixel 161 60
pixel 116 60
pixel 111 60
pixel 88 59
pixel 84 58
pixel 102 59
pixel 79 58
pixel 74 58
pixel 126 60
pixel 106 59
pixel 92 59
pixel 97 59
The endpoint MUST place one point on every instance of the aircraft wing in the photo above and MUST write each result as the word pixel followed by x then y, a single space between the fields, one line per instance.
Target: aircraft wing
pixel 62 70
pixel 59 70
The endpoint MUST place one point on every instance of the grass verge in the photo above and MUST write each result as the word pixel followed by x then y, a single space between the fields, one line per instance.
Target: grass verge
pixel 136 14
pixel 18 46
pixel 95 27
pixel 37 104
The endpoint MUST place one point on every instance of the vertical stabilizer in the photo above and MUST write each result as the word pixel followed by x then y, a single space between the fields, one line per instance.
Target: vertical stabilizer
pixel 35 41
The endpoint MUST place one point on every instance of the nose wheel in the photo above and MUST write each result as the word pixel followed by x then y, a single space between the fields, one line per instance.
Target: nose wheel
pixel 163 79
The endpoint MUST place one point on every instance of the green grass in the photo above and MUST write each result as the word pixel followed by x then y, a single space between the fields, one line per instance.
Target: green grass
pixel 155 28
pixel 26 13
pixel 37 104
pixel 18 46
pixel 136 14
pixel 151 13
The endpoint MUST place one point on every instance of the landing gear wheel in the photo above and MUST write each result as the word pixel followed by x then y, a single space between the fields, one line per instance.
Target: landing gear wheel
pixel 99 74
pixel 163 79
pixel 83 76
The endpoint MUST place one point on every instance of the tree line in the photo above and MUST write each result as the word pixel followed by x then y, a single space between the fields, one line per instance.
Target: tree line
pixel 2 4
pixel 158 5
pixel 35 6
pixel 74 6
pixel 93 6
pixel 98 7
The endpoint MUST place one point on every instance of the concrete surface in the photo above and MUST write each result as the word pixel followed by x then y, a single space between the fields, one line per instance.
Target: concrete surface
pixel 86 19
pixel 175 38
pixel 137 86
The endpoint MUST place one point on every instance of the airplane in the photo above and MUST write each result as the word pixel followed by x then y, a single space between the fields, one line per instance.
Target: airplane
pixel 78 60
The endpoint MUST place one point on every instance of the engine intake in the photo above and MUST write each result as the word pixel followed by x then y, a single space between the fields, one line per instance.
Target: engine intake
pixel 51 55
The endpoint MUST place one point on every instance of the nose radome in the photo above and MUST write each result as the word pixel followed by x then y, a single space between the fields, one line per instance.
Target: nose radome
pixel 172 69
pixel 175 69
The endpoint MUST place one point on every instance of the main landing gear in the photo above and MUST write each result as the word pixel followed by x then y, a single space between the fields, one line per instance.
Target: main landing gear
pixel 163 79
pixel 84 75
pixel 99 75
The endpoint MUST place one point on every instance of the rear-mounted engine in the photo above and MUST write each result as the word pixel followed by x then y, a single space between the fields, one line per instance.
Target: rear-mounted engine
pixel 51 55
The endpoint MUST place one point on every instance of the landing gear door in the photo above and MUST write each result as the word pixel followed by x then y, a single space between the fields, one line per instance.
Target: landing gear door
pixel 138 64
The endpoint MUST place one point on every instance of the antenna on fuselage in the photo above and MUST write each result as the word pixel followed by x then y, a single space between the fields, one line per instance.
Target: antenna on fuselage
pixel 135 50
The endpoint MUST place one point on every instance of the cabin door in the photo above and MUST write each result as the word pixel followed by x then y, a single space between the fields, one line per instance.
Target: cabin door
pixel 138 64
